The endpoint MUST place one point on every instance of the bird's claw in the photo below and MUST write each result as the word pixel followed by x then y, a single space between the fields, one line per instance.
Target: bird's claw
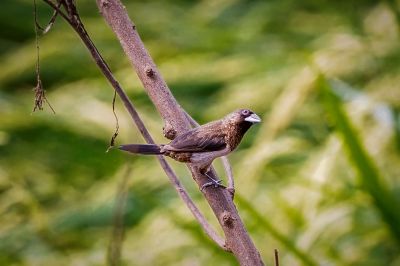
pixel 213 182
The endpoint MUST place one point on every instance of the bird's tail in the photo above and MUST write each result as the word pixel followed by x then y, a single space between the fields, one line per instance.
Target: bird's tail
pixel 147 149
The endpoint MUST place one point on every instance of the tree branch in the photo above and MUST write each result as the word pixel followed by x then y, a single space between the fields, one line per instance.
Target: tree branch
pixel 175 122
pixel 73 19
pixel 220 200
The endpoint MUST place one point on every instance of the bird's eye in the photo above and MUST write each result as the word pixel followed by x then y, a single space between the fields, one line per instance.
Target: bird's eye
pixel 245 112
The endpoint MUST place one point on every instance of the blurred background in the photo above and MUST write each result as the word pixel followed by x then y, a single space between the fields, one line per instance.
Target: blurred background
pixel 318 179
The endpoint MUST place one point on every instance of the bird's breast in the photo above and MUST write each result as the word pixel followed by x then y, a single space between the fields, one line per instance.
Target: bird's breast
pixel 235 134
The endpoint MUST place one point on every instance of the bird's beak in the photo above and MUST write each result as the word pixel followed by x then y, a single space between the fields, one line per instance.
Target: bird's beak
pixel 253 118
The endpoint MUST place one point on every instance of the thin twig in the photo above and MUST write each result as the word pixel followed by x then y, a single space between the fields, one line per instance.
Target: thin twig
pixel 276 257
pixel 40 94
pixel 51 21
pixel 58 9
pixel 116 132
pixel 74 21
pixel 229 173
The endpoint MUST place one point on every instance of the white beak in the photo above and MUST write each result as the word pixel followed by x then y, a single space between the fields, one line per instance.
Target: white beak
pixel 253 118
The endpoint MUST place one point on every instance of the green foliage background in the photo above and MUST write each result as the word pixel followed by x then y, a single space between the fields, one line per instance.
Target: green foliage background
pixel 318 179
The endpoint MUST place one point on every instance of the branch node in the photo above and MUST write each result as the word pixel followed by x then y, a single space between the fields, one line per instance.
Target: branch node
pixel 226 248
pixel 227 219
pixel 105 3
pixel 149 71
pixel 168 131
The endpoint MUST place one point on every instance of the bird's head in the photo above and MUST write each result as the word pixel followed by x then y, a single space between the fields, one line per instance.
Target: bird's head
pixel 245 116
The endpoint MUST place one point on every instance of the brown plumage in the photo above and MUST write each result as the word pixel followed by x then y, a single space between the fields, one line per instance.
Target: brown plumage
pixel 201 145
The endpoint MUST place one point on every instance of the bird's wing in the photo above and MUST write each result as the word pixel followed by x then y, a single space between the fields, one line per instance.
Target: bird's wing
pixel 201 139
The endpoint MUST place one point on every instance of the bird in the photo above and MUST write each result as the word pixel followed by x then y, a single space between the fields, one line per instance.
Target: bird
pixel 201 145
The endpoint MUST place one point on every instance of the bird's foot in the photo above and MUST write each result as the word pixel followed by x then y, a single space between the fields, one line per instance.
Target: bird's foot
pixel 213 182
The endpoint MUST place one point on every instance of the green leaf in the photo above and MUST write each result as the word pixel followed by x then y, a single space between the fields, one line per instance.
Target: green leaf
pixel 369 175
pixel 284 240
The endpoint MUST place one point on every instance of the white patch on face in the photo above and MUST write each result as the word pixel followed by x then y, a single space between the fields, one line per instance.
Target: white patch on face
pixel 253 118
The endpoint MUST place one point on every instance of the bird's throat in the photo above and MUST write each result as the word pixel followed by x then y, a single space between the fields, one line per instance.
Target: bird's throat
pixel 239 131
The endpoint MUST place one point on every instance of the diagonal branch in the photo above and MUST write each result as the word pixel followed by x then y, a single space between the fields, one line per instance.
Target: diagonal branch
pixel 74 20
pixel 220 200
pixel 175 122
